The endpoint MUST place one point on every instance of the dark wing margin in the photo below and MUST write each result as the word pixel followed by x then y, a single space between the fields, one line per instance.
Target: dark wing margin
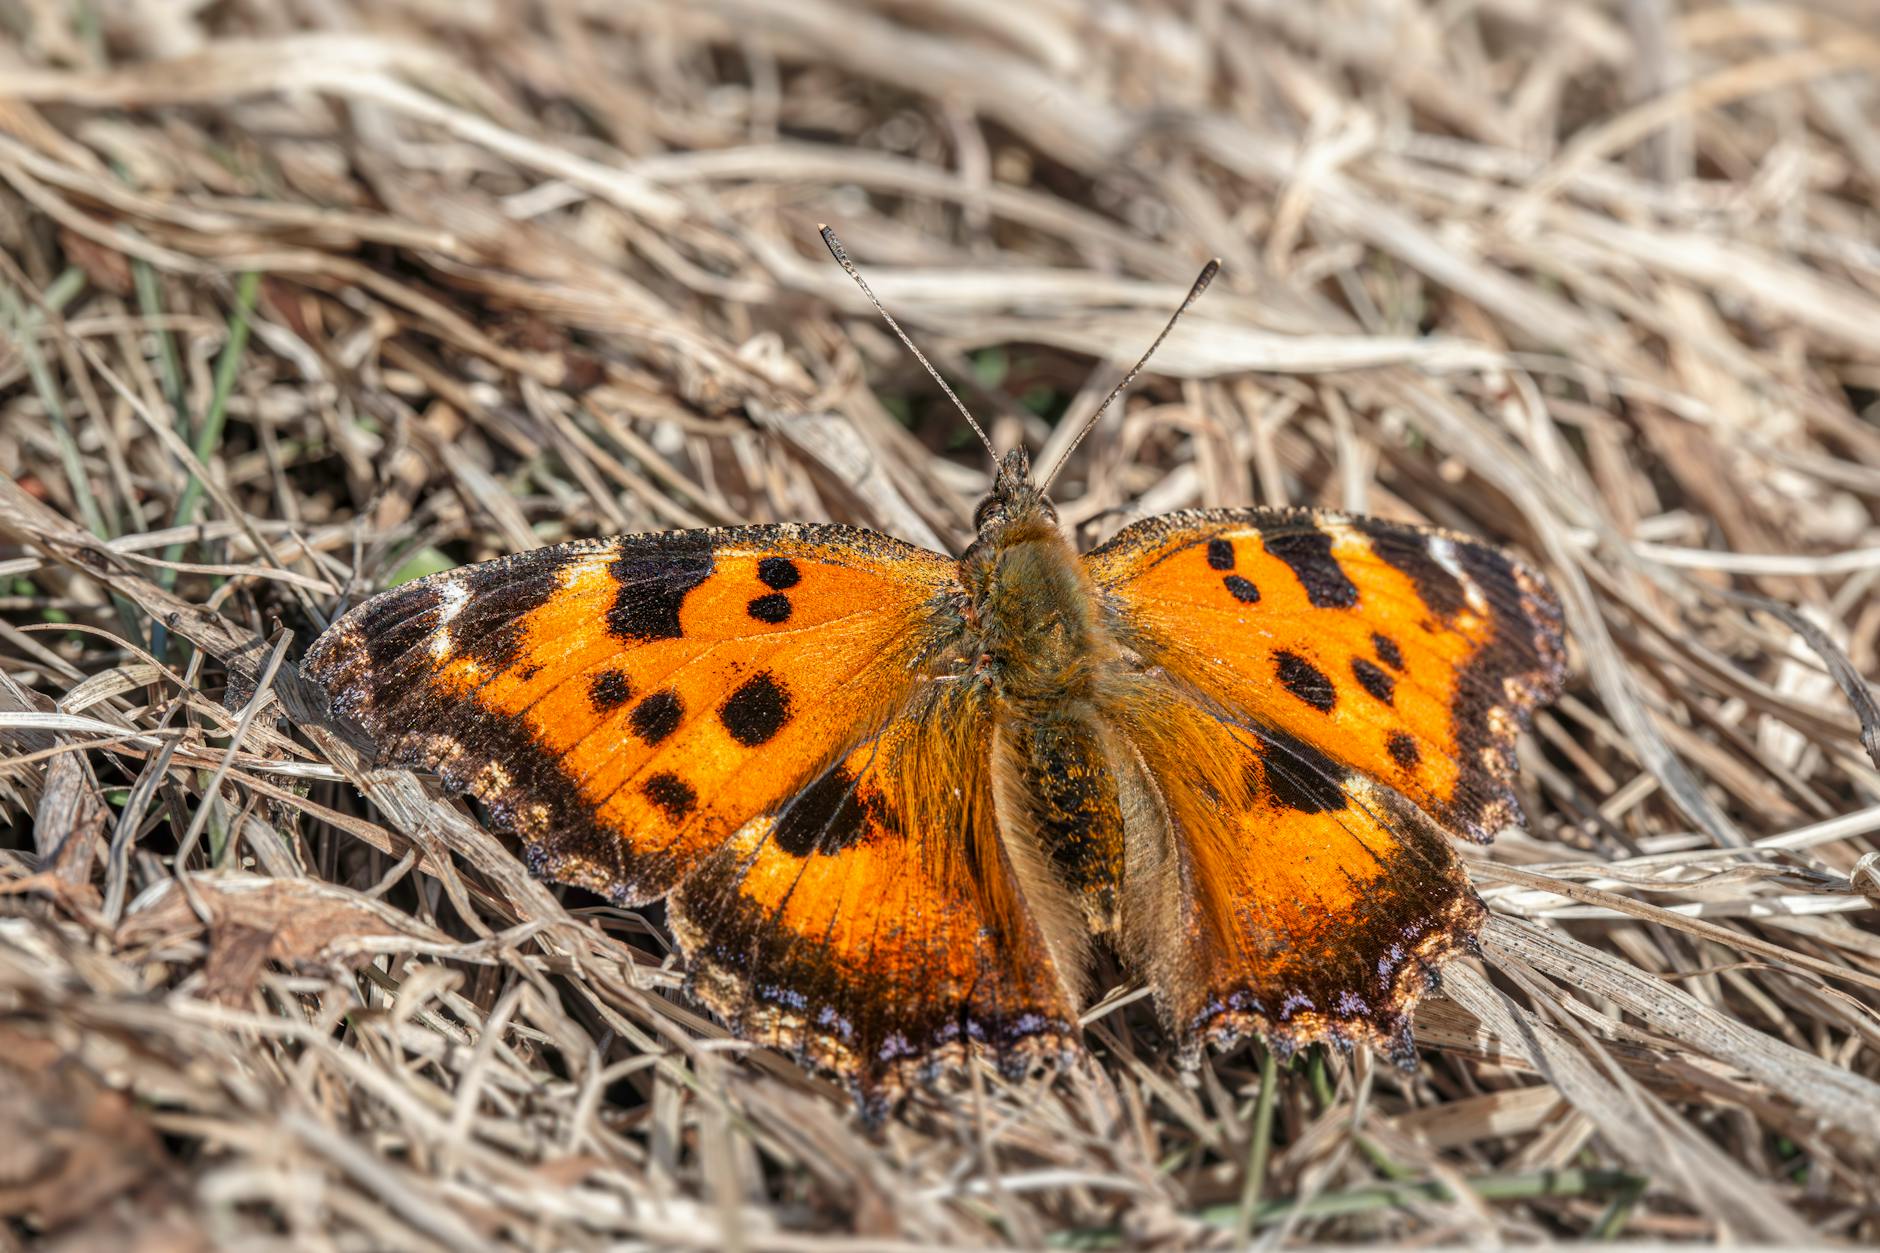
pixel 386 669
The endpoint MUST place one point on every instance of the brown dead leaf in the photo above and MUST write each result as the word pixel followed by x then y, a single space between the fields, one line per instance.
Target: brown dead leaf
pixel 80 1165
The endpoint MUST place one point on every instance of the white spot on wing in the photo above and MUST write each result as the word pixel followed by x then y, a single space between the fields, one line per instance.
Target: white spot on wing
pixel 452 597
pixel 1443 552
pixel 1348 541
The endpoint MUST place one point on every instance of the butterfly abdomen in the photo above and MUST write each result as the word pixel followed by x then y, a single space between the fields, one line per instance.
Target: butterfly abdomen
pixel 1061 798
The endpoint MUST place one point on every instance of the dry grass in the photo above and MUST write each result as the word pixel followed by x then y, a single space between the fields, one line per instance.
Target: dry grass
pixel 300 299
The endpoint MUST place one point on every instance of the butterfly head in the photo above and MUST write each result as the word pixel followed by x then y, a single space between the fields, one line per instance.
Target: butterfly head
pixel 1014 498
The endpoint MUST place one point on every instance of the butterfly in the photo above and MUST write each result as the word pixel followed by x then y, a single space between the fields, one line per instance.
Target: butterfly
pixel 894 799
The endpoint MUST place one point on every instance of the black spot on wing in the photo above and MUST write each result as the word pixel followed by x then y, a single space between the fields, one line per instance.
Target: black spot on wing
pixel 653 588
pixel 673 795
pixel 778 573
pixel 1241 590
pixel 1309 553
pixel 1374 679
pixel 1387 651
pixel 773 608
pixel 1220 554
pixel 825 817
pixel 1403 750
pixel 609 690
pixel 657 716
pixel 756 711
pixel 1306 681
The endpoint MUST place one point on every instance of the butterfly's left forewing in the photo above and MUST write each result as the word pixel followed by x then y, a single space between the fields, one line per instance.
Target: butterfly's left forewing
pixel 624 705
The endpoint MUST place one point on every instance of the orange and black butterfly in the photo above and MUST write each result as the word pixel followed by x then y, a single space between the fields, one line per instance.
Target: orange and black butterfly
pixel 893 798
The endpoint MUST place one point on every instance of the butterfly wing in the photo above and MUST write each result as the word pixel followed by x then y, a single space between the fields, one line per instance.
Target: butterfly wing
pixel 872 922
pixel 1267 889
pixel 624 705
pixel 1405 653
pixel 748 715
pixel 1320 697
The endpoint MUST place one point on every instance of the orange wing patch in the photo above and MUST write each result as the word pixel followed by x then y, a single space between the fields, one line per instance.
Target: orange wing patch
pixel 1409 654
pixel 1277 892
pixel 871 923
pixel 625 705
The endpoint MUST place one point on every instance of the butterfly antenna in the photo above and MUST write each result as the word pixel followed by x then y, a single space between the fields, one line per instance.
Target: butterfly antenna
pixel 1202 280
pixel 842 259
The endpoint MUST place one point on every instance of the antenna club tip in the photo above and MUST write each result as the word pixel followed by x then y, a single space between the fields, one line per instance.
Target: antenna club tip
pixel 823 226
pixel 1203 279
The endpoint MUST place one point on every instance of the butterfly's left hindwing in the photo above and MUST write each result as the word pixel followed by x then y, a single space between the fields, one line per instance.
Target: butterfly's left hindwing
pixel 873 922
